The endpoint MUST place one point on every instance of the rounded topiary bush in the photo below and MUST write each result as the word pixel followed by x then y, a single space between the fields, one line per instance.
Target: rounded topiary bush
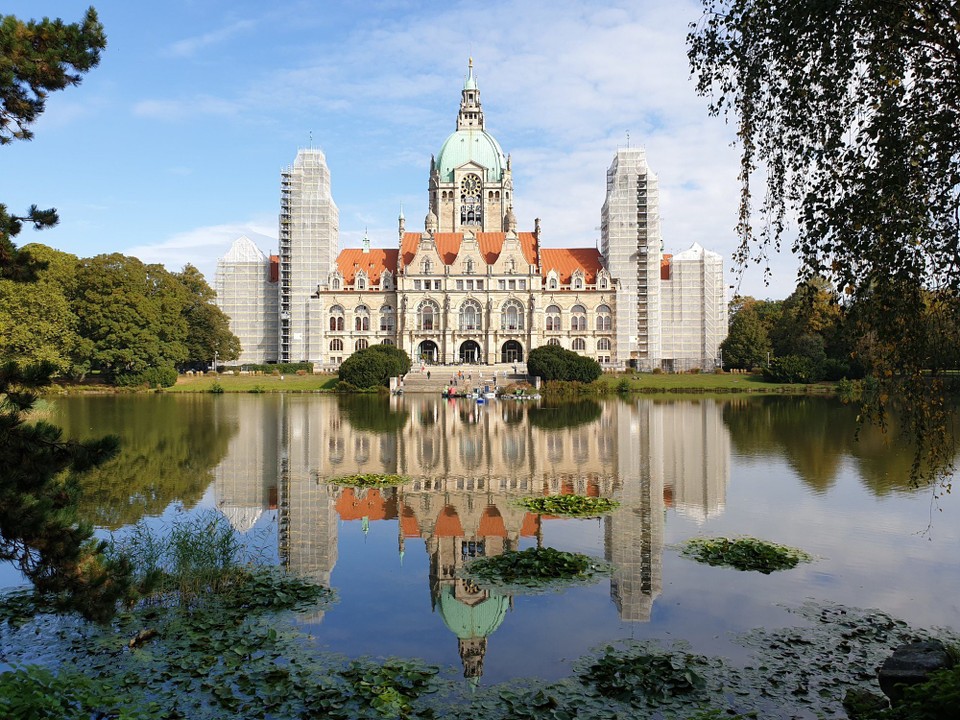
pixel 552 362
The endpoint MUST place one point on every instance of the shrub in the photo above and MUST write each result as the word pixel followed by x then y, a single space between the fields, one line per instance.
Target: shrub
pixel 623 386
pixel 374 366
pixel 791 369
pixel 554 363
pixel 216 388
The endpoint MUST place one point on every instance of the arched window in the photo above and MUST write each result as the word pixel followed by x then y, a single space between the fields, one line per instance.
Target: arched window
pixel 471 316
pixel 604 321
pixel 579 345
pixel 361 318
pixel 336 345
pixel 360 281
pixel 335 284
pixel 553 318
pixel 386 280
pixel 336 318
pixel 578 318
pixel 360 345
pixel 428 316
pixel 388 319
pixel 553 341
pixel 603 345
pixel 553 282
pixel 388 341
pixel 511 317
pixel 577 281
pixel 602 282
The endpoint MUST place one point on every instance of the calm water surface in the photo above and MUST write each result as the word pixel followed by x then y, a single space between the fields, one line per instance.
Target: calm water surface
pixel 783 469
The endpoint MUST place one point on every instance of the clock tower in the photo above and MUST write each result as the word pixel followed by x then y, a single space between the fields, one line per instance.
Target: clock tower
pixel 471 184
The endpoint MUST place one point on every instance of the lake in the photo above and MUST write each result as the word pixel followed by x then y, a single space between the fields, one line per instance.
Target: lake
pixel 785 469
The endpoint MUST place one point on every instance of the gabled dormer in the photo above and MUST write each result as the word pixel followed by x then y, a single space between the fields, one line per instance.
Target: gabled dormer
pixel 553 280
pixel 577 281
pixel 360 281
pixel 336 280
pixel 603 279
pixel 386 280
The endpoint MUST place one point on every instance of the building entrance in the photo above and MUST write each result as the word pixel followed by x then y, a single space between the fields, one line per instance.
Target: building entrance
pixel 512 352
pixel 428 352
pixel 470 352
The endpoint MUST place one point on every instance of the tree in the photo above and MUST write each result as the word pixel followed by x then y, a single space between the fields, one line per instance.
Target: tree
pixel 132 314
pixel 747 344
pixel 208 328
pixel 367 369
pixel 851 110
pixel 38 489
pixel 37 58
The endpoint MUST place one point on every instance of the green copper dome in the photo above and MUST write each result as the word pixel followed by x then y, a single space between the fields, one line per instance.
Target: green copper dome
pixel 474 145
pixel 472 622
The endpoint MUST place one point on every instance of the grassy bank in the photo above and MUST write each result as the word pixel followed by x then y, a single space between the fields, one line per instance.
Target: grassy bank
pixel 679 383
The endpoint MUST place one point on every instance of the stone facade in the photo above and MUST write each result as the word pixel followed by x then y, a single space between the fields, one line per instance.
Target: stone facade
pixel 470 287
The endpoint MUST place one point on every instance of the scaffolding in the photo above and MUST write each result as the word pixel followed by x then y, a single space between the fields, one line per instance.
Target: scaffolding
pixel 248 298
pixel 309 236
pixel 694 311
pixel 631 246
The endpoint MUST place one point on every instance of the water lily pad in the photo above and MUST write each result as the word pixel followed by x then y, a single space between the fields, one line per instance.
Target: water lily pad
pixel 535 569
pixel 369 480
pixel 745 553
pixel 569 505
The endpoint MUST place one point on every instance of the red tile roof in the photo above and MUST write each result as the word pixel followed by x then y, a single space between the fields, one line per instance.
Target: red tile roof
pixel 565 260
pixel 373 263
pixel 490 244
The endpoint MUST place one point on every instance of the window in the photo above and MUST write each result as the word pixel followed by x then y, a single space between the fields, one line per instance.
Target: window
pixel 579 344
pixel 428 316
pixel 512 284
pixel 335 284
pixel 479 284
pixel 416 284
pixel 469 284
pixel 387 341
pixel 552 319
pixel 552 282
pixel 470 315
pixel 386 280
pixel 336 318
pixel 522 284
pixel 360 281
pixel 511 317
pixel 603 345
pixel 361 318
pixel 388 319
pixel 436 284
pixel 578 281
pixel 604 320
pixel 336 345
pixel 578 318
pixel 360 345
pixel 553 341
pixel 602 282
pixel 502 284
pixel 459 284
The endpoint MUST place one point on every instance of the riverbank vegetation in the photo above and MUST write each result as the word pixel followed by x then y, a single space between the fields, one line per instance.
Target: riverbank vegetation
pixel 744 554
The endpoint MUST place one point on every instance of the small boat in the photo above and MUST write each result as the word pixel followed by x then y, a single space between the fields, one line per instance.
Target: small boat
pixel 489 394
pixel 480 401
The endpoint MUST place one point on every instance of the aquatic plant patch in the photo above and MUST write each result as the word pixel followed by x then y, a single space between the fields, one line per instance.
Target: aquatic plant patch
pixel 744 554
pixel 569 505
pixel 535 569
pixel 369 480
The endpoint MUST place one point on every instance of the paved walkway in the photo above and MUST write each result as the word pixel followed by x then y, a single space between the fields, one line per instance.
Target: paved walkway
pixel 463 377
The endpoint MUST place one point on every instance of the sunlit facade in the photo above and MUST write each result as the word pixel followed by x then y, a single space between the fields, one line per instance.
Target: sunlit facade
pixel 470 287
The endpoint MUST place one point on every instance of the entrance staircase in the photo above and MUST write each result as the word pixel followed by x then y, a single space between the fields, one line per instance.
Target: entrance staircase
pixel 441 377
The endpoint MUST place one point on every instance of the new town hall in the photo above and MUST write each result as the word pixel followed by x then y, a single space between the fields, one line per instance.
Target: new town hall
pixel 470 287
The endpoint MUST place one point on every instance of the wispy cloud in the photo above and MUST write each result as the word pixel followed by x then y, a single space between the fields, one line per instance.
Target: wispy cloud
pixel 186 108
pixel 191 45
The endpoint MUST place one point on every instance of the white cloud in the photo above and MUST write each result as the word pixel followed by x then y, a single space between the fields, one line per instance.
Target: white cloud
pixel 203 246
pixel 191 45
pixel 183 109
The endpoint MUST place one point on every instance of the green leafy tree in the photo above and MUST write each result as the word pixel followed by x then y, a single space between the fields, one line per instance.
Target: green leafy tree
pixel 398 356
pixel 747 344
pixel 367 369
pixel 132 314
pixel 208 328
pixel 37 323
pixel 851 111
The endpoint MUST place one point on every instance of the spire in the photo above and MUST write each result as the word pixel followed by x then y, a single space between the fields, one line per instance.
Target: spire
pixel 471 114
pixel 366 241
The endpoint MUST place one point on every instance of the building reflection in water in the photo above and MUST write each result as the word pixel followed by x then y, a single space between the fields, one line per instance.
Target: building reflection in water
pixel 467 465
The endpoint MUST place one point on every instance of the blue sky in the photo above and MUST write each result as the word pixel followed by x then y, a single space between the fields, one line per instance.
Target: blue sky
pixel 172 147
